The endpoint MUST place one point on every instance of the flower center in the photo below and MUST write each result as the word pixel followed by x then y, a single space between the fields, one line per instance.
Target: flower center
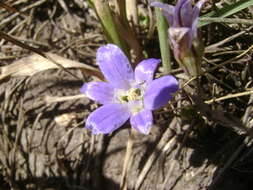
pixel 133 94
pixel 133 98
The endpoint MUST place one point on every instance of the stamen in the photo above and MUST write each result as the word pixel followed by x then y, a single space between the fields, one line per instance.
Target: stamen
pixel 134 94
pixel 124 99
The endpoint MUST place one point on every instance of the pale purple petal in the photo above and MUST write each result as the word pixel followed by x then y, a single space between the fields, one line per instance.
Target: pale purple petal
pixel 167 10
pixel 107 118
pixel 186 14
pixel 142 121
pixel 159 92
pixel 144 71
pixel 196 9
pixel 101 92
pixel 115 66
pixel 177 15
pixel 195 16
pixel 180 38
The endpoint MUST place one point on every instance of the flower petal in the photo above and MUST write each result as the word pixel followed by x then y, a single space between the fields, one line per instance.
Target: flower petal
pixel 101 92
pixel 177 34
pixel 115 66
pixel 142 121
pixel 144 71
pixel 177 15
pixel 107 118
pixel 181 40
pixel 159 92
pixel 186 14
pixel 167 10
pixel 195 16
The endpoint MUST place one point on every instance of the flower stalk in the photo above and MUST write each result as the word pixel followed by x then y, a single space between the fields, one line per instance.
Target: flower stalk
pixel 162 28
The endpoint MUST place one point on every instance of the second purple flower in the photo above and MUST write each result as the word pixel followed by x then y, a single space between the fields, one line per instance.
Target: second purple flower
pixel 183 34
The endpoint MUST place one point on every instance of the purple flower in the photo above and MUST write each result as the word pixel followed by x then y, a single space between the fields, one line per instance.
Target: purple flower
pixel 183 34
pixel 127 94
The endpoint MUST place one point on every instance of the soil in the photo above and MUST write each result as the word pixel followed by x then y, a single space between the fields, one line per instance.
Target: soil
pixel 45 146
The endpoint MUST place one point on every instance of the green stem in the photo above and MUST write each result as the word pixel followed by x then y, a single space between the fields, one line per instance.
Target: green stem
pixel 106 19
pixel 162 27
pixel 226 20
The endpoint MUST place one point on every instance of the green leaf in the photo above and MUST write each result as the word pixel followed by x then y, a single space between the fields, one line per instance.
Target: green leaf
pixel 162 28
pixel 226 11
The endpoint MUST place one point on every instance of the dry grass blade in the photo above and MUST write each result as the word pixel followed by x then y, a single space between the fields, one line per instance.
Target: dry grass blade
pixel 54 99
pixel 13 16
pixel 127 160
pixel 213 47
pixel 11 9
pixel 21 44
pixel 223 118
pixel 247 117
pixel 249 50
pixel 163 145
pixel 132 12
pixel 35 63
pixel 228 164
pixel 229 96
